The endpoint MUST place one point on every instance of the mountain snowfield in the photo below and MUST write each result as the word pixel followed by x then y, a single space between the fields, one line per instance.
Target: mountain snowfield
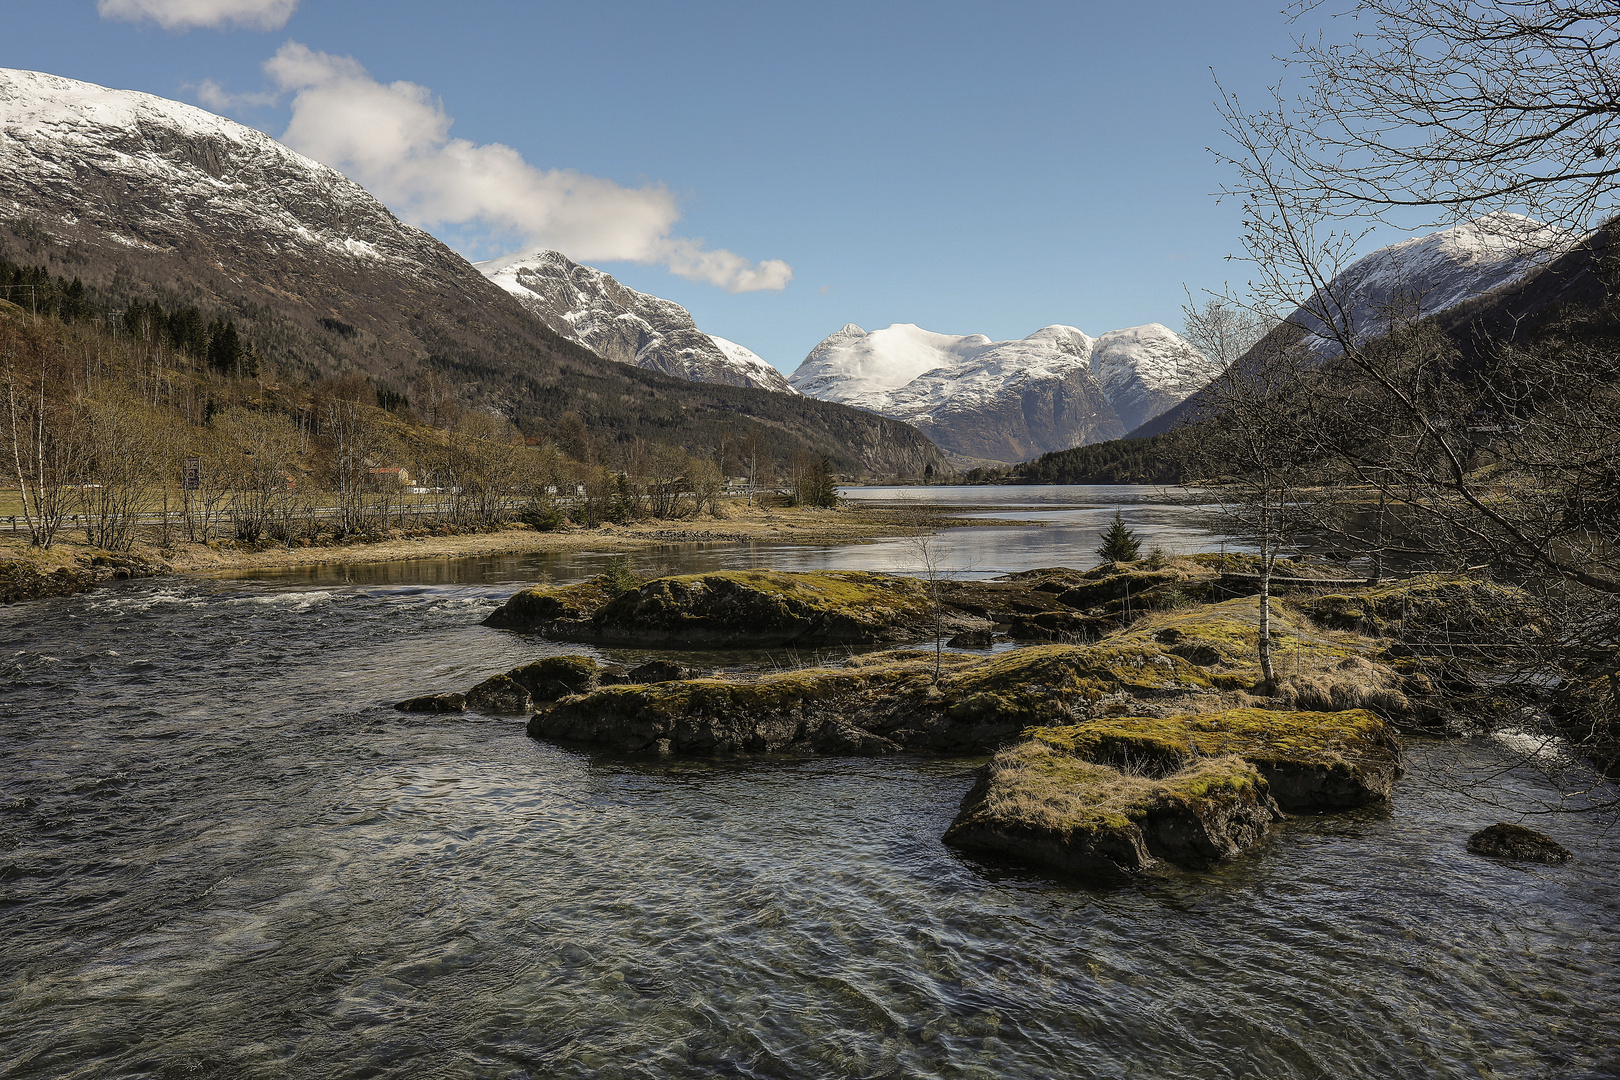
pixel 137 194
pixel 1438 271
pixel 56 131
pixel 591 307
pixel 1007 400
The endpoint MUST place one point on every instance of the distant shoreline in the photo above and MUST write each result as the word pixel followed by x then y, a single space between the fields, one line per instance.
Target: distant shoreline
pixel 71 567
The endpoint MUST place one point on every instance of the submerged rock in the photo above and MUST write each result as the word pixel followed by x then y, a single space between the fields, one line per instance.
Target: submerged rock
pixel 1039 804
pixel 1506 841
pixel 434 703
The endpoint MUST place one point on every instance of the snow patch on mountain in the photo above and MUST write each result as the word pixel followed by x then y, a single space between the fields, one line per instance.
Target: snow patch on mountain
pixel 748 361
pixel 592 307
pixel 1145 370
pixel 1425 275
pixel 57 134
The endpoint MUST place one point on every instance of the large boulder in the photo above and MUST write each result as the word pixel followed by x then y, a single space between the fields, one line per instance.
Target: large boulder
pixel 734 608
pixel 873 703
pixel 1039 804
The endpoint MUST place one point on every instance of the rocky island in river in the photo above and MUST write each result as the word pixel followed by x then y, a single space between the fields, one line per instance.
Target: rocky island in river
pixel 1133 730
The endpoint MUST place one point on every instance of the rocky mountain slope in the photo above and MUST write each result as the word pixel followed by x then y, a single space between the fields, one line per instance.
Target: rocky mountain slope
pixel 147 198
pixel 1432 275
pixel 1006 400
pixel 1428 275
pixel 591 307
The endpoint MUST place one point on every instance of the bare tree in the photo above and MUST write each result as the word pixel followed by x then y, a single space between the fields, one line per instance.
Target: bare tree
pixel 42 434
pixel 120 463
pixel 1256 449
pixel 1448 107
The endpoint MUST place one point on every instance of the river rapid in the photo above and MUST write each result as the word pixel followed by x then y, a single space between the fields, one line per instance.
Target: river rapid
pixel 223 855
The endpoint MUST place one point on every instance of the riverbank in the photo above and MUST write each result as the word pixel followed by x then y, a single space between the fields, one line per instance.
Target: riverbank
pixel 28 573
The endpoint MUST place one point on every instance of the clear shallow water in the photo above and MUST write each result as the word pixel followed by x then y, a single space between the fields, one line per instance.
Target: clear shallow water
pixel 222 855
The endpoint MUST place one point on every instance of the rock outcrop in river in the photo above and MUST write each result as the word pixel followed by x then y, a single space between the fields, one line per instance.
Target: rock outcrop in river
pixel 1144 736
pixel 1110 797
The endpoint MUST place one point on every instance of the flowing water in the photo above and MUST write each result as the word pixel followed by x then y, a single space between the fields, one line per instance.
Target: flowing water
pixel 221 854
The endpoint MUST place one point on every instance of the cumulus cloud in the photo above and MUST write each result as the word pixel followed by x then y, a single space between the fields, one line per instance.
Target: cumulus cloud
pixel 216 14
pixel 214 96
pixel 395 139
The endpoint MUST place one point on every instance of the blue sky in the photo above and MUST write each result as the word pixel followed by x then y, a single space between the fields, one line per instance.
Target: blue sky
pixel 973 168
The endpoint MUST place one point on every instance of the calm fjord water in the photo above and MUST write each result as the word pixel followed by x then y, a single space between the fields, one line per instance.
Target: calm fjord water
pixel 221 854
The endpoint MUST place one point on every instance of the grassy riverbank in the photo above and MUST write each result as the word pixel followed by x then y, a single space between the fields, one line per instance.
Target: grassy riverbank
pixel 737 523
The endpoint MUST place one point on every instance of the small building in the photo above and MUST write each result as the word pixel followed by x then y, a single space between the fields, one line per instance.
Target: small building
pixel 391 474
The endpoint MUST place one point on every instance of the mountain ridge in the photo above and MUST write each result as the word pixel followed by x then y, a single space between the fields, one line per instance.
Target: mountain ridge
pixel 145 197
pixel 1009 400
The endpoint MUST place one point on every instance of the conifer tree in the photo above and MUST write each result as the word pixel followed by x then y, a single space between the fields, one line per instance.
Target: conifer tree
pixel 1119 544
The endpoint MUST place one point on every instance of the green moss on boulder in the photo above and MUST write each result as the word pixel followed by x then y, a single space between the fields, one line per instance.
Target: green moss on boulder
pixel 752 608
pixel 1311 760
pixel 1040 804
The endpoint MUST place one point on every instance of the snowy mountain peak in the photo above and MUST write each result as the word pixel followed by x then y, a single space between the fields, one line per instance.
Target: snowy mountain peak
pixel 1004 400
pixel 591 307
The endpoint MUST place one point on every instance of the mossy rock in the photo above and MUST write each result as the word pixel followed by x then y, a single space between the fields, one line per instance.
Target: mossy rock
pixel 1117 581
pixel 1039 804
pixel 762 608
pixel 817 708
pixel 1465 611
pixel 733 608
pixel 1060 626
pixel 557 677
pixel 1311 760
pixel 533 608
pixel 1044 682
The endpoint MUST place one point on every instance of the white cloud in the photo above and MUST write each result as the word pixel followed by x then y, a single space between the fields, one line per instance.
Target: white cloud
pixel 214 96
pixel 217 14
pixel 395 139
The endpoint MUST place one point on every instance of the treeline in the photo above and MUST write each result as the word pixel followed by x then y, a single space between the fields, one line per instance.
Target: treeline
pixel 1154 460
pixel 34 290
pixel 152 423
pixel 1158 459
pixel 214 341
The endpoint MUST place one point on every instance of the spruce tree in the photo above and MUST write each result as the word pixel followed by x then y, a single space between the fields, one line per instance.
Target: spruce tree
pixel 1119 544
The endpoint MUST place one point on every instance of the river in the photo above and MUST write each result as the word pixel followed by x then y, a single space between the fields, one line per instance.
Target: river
pixel 223 855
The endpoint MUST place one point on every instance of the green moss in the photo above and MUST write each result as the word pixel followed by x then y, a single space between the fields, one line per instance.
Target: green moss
pixel 1034 784
pixel 1226 637
pixel 1257 735
pixel 1429 603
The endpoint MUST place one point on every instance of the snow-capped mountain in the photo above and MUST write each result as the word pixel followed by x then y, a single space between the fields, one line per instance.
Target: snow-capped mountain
pixel 615 321
pixel 146 198
pixel 1426 275
pixel 1421 276
pixel 1006 400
